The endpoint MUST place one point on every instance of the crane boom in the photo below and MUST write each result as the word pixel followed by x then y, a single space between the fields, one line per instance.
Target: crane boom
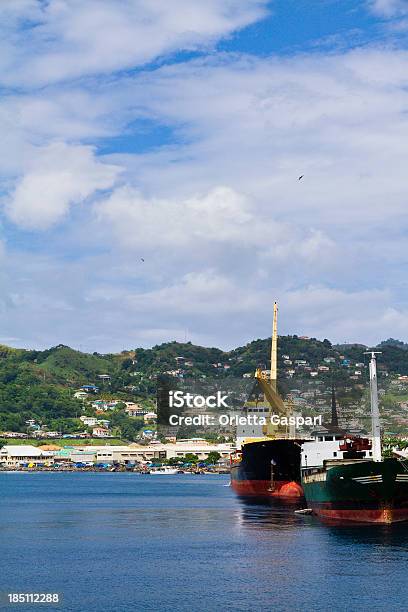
pixel 274 399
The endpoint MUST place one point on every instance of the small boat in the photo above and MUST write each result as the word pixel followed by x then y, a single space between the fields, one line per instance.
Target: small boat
pixel 163 470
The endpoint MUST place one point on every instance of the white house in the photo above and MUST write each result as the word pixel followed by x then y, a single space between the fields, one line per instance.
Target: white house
pixel 100 432
pixel 89 421
pixel 80 395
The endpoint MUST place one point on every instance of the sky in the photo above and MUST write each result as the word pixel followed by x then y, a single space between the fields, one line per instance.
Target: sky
pixel 150 156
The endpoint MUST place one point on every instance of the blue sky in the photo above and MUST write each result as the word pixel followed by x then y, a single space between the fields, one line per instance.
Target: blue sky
pixel 175 132
pixel 296 25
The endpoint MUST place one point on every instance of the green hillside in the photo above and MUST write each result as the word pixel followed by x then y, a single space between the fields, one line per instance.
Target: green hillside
pixel 41 385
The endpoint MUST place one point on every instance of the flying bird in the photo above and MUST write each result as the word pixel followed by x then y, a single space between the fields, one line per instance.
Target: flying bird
pixel 300 177
pixel 141 259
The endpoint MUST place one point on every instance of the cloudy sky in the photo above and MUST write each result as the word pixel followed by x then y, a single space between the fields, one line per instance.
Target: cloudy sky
pixel 174 131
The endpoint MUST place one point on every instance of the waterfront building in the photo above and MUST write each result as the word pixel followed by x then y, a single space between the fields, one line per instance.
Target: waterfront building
pixel 15 455
pixel 201 448
pixel 79 455
pixel 149 452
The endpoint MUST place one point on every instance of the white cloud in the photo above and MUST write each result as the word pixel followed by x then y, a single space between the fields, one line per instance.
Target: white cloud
pixel 219 215
pixel 222 215
pixel 340 121
pixel 221 228
pixel 257 124
pixel 57 176
pixel 89 304
pixel 389 8
pixel 366 316
pixel 71 38
pixel 218 310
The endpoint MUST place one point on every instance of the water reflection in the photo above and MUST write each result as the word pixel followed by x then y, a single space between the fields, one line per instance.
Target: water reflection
pixel 268 515
pixel 395 535
pixel 256 513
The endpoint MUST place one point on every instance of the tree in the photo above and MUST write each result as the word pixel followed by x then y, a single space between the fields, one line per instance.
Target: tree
pixel 190 458
pixel 213 457
pixel 174 461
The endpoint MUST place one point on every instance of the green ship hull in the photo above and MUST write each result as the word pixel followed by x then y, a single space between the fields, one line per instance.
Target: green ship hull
pixel 358 490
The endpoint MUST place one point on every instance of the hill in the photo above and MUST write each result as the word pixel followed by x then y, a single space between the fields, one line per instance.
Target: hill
pixel 41 385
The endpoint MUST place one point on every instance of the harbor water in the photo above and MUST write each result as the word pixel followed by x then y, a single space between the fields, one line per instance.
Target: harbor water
pixel 127 542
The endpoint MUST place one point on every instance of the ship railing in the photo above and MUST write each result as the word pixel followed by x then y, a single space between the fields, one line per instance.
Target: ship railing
pixel 285 436
pixel 404 463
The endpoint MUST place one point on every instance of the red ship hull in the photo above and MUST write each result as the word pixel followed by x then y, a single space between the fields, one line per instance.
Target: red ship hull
pixel 383 516
pixel 282 489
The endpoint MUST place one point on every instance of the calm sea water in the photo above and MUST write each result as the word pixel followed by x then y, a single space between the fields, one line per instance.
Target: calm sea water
pixel 125 542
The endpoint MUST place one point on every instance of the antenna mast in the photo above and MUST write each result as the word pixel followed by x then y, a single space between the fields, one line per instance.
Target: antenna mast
pixel 334 414
pixel 375 413
pixel 274 348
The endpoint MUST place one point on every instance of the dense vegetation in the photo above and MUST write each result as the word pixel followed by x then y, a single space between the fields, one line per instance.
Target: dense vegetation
pixel 40 385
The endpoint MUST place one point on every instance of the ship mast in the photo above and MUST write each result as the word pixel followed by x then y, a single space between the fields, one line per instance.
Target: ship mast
pixel 268 380
pixel 375 413
pixel 274 348
pixel 334 414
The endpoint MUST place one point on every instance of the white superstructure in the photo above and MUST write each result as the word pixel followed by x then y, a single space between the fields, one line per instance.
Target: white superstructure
pixel 326 446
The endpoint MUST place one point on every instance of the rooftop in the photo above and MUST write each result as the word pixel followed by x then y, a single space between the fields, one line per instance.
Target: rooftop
pixel 20 450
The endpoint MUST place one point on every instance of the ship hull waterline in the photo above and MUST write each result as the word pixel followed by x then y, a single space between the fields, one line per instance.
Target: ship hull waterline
pixel 362 492
pixel 268 469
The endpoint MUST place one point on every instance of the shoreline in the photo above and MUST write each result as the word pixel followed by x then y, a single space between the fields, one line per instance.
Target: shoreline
pixel 108 471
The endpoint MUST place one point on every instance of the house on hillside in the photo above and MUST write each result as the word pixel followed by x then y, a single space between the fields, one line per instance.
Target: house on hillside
pixel 13 434
pixel 89 421
pixel 90 388
pixel 104 406
pixel 104 423
pixel 135 410
pixel 100 432
pixel 81 395
pixel 150 417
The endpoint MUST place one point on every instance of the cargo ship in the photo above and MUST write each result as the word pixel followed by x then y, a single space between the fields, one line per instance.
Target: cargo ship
pixel 345 478
pixel 267 469
pixel 267 462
